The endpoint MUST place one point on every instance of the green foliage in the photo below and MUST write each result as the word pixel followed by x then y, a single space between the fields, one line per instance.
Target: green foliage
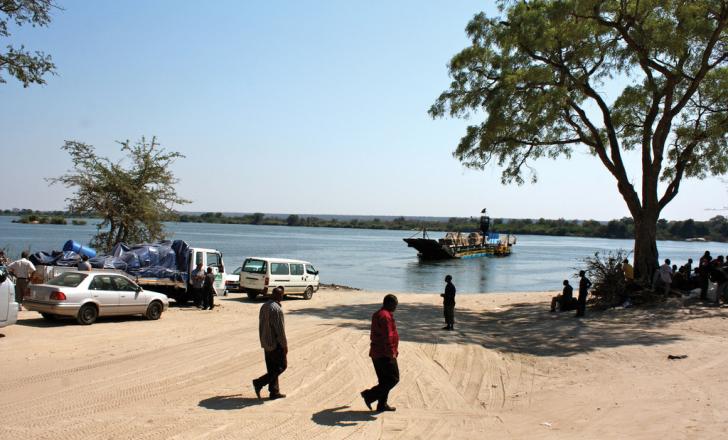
pixel 132 199
pixel 605 272
pixel 536 74
pixel 26 67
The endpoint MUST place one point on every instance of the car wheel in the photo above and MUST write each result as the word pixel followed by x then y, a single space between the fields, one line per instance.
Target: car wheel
pixel 252 295
pixel 154 311
pixel 87 314
pixel 48 316
pixel 308 294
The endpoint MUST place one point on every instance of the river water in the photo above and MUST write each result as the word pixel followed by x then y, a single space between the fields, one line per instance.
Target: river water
pixel 374 259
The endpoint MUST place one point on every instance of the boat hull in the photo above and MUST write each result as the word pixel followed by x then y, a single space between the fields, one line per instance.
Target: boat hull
pixel 429 249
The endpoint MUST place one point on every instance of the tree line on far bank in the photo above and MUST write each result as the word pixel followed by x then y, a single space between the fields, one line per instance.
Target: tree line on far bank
pixel 715 229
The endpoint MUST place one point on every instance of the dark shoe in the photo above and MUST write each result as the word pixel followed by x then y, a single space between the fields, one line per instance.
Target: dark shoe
pixel 277 396
pixel 257 389
pixel 367 401
pixel 385 408
pixel 447 327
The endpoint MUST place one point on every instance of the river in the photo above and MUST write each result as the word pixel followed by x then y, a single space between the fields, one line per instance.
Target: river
pixel 374 259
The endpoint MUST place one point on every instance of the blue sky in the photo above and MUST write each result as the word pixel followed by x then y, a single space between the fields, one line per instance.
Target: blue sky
pixel 285 107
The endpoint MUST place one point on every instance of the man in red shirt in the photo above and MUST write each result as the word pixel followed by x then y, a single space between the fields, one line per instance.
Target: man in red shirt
pixel 383 351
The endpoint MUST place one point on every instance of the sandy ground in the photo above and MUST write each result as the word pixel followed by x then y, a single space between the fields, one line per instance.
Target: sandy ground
pixel 510 370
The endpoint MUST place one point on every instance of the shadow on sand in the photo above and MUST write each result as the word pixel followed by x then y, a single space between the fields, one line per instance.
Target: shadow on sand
pixel 338 417
pixel 525 328
pixel 231 402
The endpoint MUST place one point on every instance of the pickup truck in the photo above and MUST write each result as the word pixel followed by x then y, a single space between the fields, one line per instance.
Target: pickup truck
pixel 149 268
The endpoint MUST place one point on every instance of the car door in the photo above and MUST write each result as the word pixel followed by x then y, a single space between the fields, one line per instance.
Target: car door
pixel 298 284
pixel 132 300
pixel 101 290
pixel 214 260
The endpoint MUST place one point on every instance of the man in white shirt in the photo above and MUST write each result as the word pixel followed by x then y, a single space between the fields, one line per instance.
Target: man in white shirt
pixel 22 269
pixel 665 274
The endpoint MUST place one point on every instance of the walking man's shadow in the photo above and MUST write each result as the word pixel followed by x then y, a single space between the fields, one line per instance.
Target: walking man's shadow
pixel 337 417
pixel 234 401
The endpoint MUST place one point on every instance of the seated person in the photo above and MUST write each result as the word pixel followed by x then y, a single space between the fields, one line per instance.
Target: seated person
pixel 566 300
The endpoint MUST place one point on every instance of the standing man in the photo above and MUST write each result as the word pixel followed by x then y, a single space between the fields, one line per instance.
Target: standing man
pixel 704 274
pixel 208 290
pixel 665 272
pixel 84 264
pixel 448 303
pixel 584 285
pixel 383 351
pixel 272 331
pixel 198 279
pixel 22 270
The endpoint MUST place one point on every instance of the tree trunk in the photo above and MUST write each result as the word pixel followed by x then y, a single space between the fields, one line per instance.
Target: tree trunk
pixel 645 248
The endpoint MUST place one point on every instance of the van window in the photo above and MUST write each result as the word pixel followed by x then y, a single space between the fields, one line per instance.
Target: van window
pixel 67 279
pixel 198 258
pixel 311 270
pixel 254 266
pixel 213 259
pixel 279 268
pixel 296 269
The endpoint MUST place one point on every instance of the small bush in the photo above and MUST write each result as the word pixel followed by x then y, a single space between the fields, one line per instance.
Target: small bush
pixel 605 272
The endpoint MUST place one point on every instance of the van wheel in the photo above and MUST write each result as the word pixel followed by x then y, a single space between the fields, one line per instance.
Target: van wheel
pixel 252 295
pixel 87 314
pixel 154 311
pixel 308 294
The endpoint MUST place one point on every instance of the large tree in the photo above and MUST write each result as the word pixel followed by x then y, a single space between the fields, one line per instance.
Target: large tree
pixel 540 75
pixel 132 197
pixel 25 66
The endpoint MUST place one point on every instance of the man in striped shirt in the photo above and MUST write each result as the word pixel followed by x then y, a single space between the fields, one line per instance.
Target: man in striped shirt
pixel 271 329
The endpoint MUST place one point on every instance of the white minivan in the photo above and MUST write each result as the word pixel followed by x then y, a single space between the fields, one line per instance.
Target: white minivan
pixel 8 306
pixel 260 276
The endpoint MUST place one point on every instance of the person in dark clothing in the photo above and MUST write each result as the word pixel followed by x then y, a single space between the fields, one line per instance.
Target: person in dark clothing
pixel 272 333
pixel 197 280
pixel 566 300
pixel 719 276
pixel 704 274
pixel 448 303
pixel 584 285
pixel 383 351
pixel 208 290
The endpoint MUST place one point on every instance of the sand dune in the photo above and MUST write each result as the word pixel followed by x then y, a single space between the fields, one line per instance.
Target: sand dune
pixel 510 370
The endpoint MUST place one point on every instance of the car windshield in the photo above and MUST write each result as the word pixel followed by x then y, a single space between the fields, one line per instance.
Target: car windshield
pixel 254 266
pixel 67 279
pixel 237 271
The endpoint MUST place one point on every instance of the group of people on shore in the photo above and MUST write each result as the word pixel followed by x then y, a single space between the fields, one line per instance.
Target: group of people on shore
pixel 667 278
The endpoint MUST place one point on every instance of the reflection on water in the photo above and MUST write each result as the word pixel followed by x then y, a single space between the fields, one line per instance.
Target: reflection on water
pixel 374 259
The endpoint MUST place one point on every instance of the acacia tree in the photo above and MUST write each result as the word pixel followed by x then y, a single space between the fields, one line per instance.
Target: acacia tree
pixel 537 73
pixel 132 199
pixel 25 66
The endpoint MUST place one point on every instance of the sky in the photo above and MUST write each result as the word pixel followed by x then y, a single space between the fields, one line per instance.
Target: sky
pixel 316 107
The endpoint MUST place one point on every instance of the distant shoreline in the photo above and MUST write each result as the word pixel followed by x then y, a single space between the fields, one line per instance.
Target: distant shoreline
pixel 715 229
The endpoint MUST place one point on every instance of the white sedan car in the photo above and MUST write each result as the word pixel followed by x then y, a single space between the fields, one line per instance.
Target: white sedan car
pixel 88 295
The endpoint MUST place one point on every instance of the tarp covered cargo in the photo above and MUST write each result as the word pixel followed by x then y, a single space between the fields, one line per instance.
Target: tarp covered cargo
pixel 165 259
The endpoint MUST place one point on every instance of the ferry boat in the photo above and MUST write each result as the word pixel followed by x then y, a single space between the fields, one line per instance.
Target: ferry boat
pixel 460 245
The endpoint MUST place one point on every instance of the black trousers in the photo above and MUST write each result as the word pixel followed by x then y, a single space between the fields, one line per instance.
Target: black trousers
pixel 197 296
pixel 275 364
pixel 449 314
pixel 388 375
pixel 581 303
pixel 208 298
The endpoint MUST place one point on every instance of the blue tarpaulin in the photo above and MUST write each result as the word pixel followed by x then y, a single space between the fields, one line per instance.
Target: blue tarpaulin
pixel 165 259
